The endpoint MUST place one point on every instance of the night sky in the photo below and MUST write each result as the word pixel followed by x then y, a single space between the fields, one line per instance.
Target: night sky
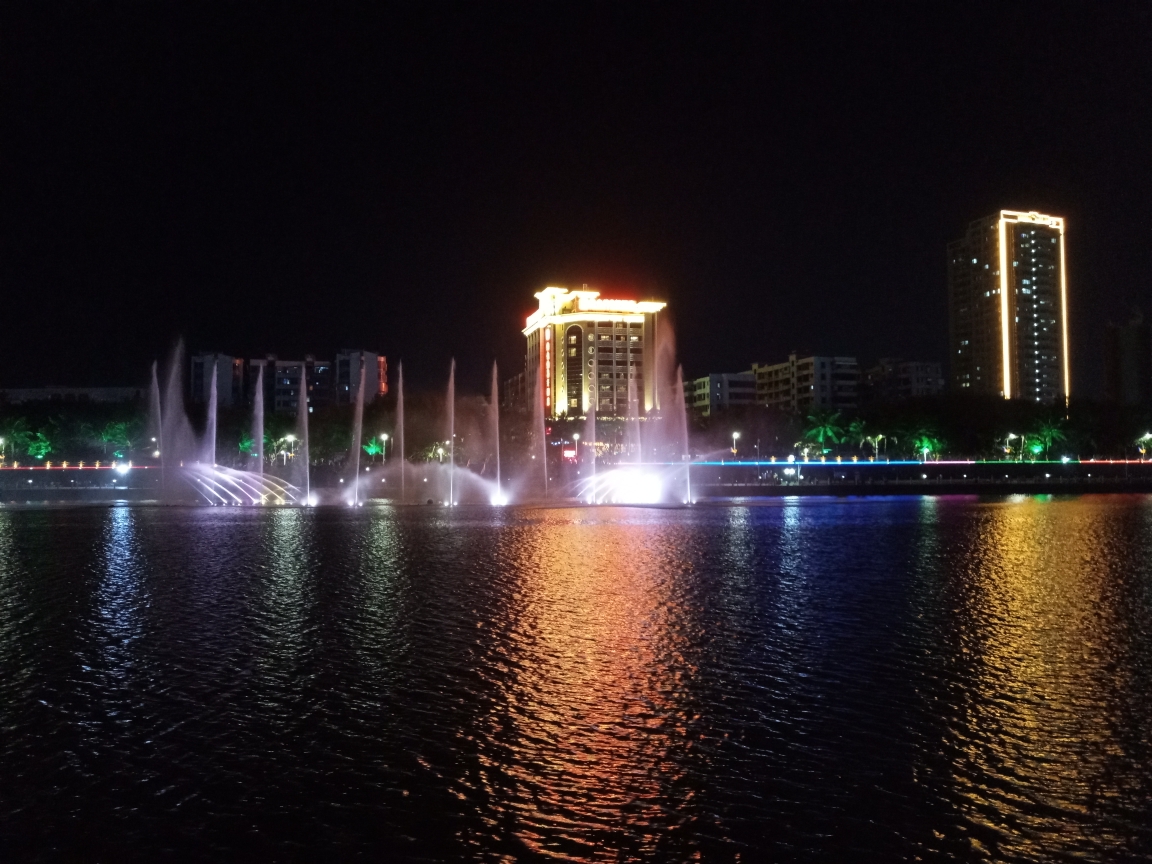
pixel 402 179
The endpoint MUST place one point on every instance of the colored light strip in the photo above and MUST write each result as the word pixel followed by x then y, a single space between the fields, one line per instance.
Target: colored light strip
pixel 1004 340
pixel 1064 317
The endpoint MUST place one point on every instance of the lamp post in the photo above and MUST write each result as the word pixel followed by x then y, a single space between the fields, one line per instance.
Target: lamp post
pixel 735 436
pixel 1007 448
pixel 384 448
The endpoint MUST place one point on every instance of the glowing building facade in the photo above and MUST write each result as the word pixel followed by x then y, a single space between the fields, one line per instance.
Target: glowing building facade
pixel 1008 308
pixel 592 352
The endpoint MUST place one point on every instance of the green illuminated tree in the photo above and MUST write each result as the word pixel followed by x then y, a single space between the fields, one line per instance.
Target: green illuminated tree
pixel 117 434
pixel 373 447
pixel 16 436
pixel 39 446
pixel 1048 432
pixel 824 429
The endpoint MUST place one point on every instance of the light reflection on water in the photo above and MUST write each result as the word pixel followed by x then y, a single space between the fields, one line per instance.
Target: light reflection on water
pixel 933 678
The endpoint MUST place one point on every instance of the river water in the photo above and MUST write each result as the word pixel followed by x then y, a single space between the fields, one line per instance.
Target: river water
pixel 805 680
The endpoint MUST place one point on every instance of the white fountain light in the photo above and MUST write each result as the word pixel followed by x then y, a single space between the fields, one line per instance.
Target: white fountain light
pixel 630 486
pixel 499 500
pixel 123 469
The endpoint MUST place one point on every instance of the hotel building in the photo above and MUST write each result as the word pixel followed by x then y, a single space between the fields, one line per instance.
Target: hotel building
pixel 590 352
pixel 1008 307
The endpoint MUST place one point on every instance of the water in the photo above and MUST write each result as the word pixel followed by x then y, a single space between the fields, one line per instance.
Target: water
pixel 810 680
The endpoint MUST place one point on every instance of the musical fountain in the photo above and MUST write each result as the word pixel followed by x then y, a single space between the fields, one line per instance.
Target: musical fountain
pixel 647 464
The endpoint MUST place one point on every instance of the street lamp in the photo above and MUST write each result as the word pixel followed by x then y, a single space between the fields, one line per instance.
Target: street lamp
pixel 1007 448
pixel 735 435
pixel 384 447
pixel 440 454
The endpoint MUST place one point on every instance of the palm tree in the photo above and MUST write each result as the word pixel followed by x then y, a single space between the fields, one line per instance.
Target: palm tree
pixel 858 432
pixel 824 428
pixel 16 436
pixel 1048 432
pixel 926 445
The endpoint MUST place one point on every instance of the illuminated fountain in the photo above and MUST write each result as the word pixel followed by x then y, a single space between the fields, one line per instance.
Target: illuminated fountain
pixel 188 469
pixel 654 465
pixel 494 410
pixel 357 437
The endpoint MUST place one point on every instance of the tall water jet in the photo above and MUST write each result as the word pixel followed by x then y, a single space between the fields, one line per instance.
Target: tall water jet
pixel 357 435
pixel 210 426
pixel 494 407
pixel 400 426
pixel 538 425
pixel 156 422
pixel 176 431
pixel 679 412
pixel 590 444
pixel 301 458
pixel 452 433
pixel 632 440
pixel 258 421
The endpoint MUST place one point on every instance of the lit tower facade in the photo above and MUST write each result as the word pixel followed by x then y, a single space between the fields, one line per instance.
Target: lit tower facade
pixel 587 350
pixel 1008 308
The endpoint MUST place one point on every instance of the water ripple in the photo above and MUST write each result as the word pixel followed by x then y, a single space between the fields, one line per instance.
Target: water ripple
pixel 888 679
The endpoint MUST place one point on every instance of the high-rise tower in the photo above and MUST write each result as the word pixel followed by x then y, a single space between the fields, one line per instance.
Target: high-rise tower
pixel 1008 307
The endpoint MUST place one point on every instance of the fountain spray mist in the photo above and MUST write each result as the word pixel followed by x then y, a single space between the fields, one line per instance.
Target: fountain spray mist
pixel 210 429
pixel 679 410
pixel 452 433
pixel 156 422
pixel 400 425
pixel 494 407
pixel 304 467
pixel 357 435
pixel 258 421
pixel 538 424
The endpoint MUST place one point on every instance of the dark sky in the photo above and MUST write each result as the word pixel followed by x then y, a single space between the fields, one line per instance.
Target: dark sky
pixel 261 179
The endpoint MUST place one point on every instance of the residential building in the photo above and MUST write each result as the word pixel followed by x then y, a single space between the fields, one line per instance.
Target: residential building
pixel 893 380
pixel 514 392
pixel 1008 308
pixel 589 352
pixel 1128 362
pixel 720 391
pixel 229 372
pixel 328 382
pixel 803 384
